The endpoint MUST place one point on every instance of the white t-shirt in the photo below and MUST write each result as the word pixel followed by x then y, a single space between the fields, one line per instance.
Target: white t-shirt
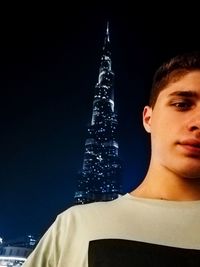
pixel 127 231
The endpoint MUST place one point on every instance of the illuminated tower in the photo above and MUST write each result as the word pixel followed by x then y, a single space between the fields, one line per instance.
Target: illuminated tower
pixel 100 177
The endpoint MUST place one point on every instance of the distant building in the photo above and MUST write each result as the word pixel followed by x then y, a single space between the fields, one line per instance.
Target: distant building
pixel 14 253
pixel 100 177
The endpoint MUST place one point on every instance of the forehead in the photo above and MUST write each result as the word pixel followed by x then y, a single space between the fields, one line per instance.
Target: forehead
pixel 188 82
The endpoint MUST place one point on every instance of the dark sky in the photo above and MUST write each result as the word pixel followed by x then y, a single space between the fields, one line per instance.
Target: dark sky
pixel 49 62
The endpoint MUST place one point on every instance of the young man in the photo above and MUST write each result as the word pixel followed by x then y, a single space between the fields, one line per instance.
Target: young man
pixel 157 224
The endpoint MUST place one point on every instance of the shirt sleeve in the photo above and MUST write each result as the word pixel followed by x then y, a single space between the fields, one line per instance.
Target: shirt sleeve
pixel 44 253
pixel 64 244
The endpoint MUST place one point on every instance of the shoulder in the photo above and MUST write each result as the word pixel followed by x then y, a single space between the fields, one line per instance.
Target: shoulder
pixel 95 209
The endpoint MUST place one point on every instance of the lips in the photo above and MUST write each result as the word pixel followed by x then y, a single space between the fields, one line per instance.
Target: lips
pixel 191 147
pixel 191 142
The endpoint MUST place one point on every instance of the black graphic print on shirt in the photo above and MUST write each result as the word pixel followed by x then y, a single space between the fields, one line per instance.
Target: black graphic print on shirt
pixel 126 253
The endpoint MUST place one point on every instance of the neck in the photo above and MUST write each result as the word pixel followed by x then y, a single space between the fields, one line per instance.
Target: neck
pixel 161 183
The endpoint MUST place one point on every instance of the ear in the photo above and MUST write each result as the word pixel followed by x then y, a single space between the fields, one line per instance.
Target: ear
pixel 147 114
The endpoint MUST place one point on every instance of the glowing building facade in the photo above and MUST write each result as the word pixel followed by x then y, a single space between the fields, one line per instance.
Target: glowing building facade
pixel 14 253
pixel 100 177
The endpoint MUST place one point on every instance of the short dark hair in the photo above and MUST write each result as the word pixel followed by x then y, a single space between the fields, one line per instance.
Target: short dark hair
pixel 171 71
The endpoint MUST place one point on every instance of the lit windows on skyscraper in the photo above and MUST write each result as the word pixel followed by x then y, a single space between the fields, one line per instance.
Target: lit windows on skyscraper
pixel 100 177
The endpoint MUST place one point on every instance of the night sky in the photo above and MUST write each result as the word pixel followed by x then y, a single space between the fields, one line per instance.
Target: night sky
pixel 49 63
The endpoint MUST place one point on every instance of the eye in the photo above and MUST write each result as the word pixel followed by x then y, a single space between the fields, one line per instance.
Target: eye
pixel 182 105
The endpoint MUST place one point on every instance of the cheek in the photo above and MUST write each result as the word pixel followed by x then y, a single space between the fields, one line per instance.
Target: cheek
pixel 159 128
pixel 163 138
pixel 164 123
pixel 161 135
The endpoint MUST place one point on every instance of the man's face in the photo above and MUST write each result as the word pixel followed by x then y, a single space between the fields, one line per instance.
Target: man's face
pixel 174 124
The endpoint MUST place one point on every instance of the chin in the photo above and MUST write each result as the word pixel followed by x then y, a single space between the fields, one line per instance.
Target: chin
pixel 191 168
pixel 192 174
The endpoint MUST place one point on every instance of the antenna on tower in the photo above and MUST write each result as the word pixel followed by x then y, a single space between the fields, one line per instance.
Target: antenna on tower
pixel 107 32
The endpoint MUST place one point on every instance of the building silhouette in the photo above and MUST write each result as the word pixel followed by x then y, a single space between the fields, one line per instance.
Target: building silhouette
pixel 15 252
pixel 101 173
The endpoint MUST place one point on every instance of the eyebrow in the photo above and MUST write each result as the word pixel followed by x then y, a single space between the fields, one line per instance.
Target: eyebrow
pixel 188 93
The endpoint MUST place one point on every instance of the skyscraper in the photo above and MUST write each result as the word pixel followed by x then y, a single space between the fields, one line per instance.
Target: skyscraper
pixel 100 177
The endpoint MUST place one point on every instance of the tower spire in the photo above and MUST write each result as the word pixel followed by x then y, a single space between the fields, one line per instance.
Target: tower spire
pixel 107 33
pixel 106 46
pixel 100 177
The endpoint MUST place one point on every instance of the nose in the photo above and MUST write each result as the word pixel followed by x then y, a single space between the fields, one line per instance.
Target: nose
pixel 196 131
pixel 194 124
